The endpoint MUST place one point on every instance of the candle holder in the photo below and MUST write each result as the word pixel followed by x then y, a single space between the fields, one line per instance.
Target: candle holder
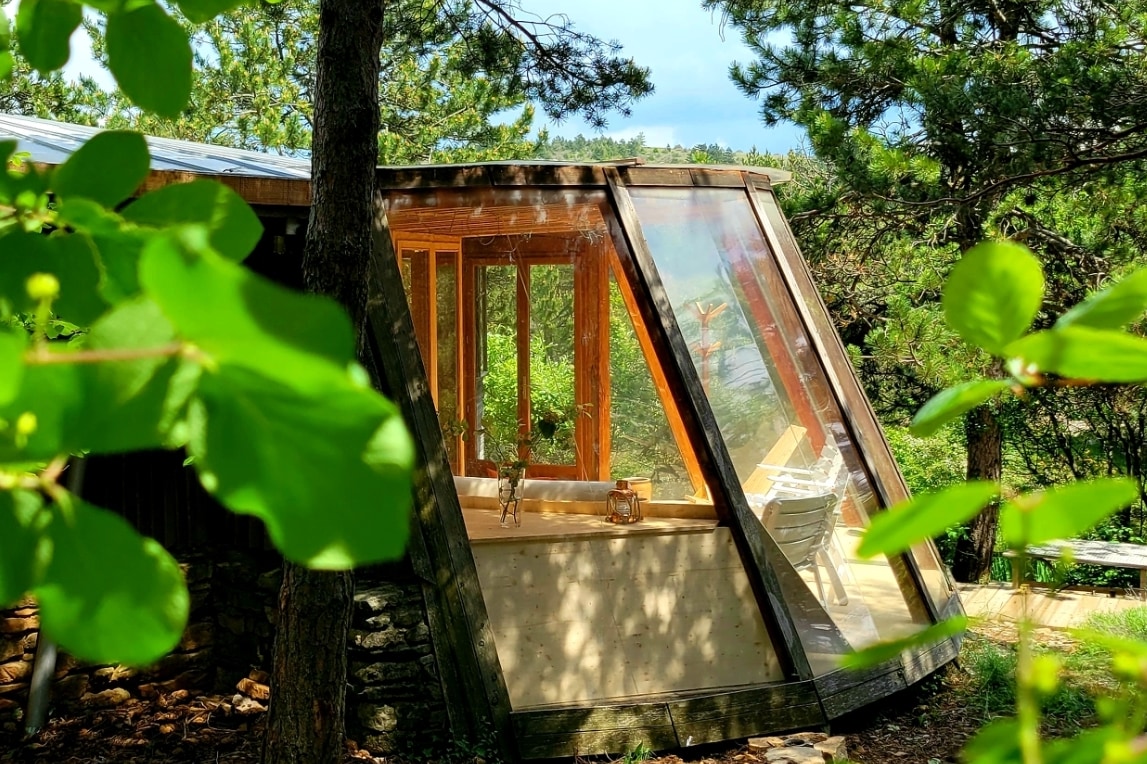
pixel 622 505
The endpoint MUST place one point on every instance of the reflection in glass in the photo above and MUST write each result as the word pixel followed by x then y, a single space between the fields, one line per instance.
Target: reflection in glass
pixel 780 422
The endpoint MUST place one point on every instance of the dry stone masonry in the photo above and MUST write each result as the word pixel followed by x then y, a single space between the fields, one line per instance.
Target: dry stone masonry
pixel 394 697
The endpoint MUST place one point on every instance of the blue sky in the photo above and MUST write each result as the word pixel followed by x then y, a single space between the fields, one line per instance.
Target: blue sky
pixel 694 100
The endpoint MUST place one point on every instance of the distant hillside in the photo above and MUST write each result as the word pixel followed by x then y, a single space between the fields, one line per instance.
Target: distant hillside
pixel 809 174
pixel 600 148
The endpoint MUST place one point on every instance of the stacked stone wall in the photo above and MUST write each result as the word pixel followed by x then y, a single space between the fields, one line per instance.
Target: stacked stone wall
pixel 394 694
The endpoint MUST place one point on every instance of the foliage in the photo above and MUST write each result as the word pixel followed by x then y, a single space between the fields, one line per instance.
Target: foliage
pixel 253 87
pixel 997 314
pixel 174 345
pixel 991 688
pixel 641 752
pixel 928 464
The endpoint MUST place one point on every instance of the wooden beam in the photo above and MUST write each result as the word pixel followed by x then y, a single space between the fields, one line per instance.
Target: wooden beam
pixel 660 384
pixel 591 360
pixel 742 712
pixel 586 731
pixel 845 690
pixel 460 629
pixel 256 191
pixel 478 221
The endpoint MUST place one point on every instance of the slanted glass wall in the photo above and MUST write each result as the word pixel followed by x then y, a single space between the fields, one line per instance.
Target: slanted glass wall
pixel 546 385
pixel 790 445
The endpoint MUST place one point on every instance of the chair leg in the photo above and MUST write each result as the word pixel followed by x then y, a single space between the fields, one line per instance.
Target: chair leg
pixel 825 559
pixel 820 585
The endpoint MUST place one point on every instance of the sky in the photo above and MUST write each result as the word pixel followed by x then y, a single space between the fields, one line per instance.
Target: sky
pixel 694 101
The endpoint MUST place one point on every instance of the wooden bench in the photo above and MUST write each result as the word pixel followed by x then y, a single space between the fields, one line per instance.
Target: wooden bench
pixel 1107 554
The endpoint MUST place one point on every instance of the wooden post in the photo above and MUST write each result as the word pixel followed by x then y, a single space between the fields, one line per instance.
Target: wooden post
pixel 476 696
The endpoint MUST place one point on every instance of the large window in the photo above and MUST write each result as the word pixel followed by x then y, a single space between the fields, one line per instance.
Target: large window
pixel 534 350
pixel 788 439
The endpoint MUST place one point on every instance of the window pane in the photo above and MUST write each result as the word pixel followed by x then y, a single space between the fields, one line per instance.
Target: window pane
pixel 553 413
pixel 788 439
pixel 448 360
pixel 644 444
pixel 496 298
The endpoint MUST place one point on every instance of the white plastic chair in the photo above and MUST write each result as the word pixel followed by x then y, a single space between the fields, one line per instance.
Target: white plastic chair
pixel 802 528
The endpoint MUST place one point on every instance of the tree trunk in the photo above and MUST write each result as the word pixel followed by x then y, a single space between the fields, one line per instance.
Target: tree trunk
pixel 308 681
pixel 973 559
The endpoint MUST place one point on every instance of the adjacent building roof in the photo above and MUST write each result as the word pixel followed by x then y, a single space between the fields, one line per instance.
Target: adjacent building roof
pixel 49 142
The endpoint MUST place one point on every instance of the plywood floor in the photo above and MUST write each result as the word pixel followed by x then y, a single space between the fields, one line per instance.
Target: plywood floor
pixel 596 617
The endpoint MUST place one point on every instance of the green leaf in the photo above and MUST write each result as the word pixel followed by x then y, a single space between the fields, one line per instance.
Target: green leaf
pixel 150 56
pixel 993 293
pixel 44 28
pixel 12 346
pixel 200 11
pixel 23 548
pixel 234 227
pixel 891 649
pixel 1095 746
pixel 70 257
pixel 120 253
pixel 1082 353
pixel 50 402
pixel 1112 308
pixel 997 743
pixel 951 403
pixel 110 595
pixel 132 405
pixel 289 453
pixel 923 517
pixel 107 168
pixel 237 317
pixel 1063 511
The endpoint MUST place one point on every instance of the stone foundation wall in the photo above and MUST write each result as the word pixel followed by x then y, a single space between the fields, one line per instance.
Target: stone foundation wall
pixel 395 695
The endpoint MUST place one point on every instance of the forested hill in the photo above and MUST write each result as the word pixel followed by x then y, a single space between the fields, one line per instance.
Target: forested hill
pixel 600 148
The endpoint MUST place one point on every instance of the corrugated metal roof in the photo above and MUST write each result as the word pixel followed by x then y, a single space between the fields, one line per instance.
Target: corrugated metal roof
pixel 53 142
pixel 49 142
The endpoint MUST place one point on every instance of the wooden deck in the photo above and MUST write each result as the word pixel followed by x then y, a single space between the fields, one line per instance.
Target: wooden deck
pixel 1046 608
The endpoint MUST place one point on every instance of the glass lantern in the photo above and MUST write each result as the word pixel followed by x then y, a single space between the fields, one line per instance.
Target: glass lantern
pixel 622 505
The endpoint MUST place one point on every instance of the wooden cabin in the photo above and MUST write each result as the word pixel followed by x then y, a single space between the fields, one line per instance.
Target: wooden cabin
pixel 648 460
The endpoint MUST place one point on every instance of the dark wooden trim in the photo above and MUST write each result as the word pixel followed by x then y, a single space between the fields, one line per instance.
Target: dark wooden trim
pixel 460 630
pixel 755 546
pixel 845 690
pixel 741 713
pixel 666 721
pixel 605 728
pixel 921 662
pixel 568 175
pixel 461 176
pixel 683 175
pixel 275 192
